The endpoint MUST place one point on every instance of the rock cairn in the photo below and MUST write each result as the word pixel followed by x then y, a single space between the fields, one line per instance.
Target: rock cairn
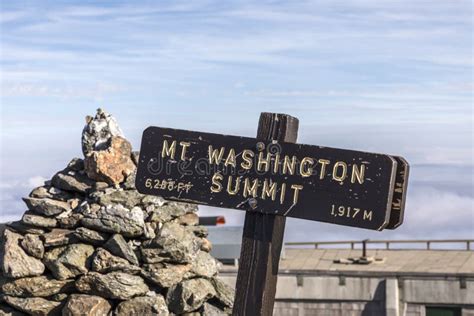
pixel 90 244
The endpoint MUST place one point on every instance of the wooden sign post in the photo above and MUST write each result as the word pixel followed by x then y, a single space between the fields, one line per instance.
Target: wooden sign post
pixel 271 178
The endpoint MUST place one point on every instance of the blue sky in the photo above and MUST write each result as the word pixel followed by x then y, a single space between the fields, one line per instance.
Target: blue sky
pixel 382 76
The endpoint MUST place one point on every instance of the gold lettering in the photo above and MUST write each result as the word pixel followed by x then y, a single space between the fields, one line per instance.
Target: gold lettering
pixel 276 163
pixel 341 177
pixel 296 188
pixel 215 156
pixel 287 166
pixel 263 162
pixel 216 185
pixel 282 193
pixel 269 190
pixel 250 190
pixel 229 186
pixel 168 150
pixel 367 215
pixel 247 156
pixel 323 163
pixel 184 147
pixel 230 160
pixel 309 170
pixel 358 174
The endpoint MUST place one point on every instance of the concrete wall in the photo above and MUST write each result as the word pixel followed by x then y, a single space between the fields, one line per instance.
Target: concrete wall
pixel 303 295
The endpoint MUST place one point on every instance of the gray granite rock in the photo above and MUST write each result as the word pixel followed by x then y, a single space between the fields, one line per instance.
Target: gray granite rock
pixel 165 275
pixel 173 243
pixel 104 262
pixel 86 305
pixel 36 306
pixel 189 295
pixel 48 207
pixel 143 305
pixel 15 262
pixel 70 261
pixel 114 285
pixel 32 219
pixel 118 246
pixel 41 286
pixel 33 245
pixel 91 236
pixel 116 219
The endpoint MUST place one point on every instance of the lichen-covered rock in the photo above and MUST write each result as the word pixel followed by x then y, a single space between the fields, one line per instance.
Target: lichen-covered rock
pixel 200 231
pixel 188 219
pixel 46 206
pixel 165 213
pixel 112 164
pixel 70 261
pixel 71 221
pixel 165 275
pixel 116 219
pixel 36 306
pixel 127 198
pixel 98 131
pixel 40 286
pixel 6 310
pixel 15 262
pixel 224 294
pixel 90 236
pixel 32 219
pixel 118 246
pixel 20 227
pixel 189 295
pixel 205 244
pixel 49 192
pixel 33 246
pixel 91 244
pixel 104 262
pixel 58 237
pixel 114 285
pixel 71 180
pixel 209 309
pixel 143 305
pixel 86 305
pixel 204 265
pixel 173 243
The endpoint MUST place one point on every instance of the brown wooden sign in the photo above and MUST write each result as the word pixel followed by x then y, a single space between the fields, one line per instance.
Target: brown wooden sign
pixel 317 183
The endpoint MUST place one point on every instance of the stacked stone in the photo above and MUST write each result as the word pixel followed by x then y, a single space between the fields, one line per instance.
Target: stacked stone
pixel 91 244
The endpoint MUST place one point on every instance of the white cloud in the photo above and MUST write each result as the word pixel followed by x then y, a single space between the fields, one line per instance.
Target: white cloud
pixel 36 181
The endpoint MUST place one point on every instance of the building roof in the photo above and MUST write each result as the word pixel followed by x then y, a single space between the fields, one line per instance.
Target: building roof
pixel 397 262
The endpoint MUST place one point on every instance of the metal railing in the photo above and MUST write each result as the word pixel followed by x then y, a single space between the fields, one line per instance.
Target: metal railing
pixel 352 243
